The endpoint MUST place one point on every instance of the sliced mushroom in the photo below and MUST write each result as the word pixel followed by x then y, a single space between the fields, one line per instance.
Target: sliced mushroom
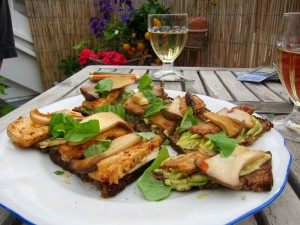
pixel 121 81
pixel 231 128
pixel 44 118
pixel 173 111
pixel 88 93
pixel 197 104
pixel 140 99
pixel 237 116
pixel 226 171
pixel 40 118
pixel 50 143
pixel 89 164
pixel 107 120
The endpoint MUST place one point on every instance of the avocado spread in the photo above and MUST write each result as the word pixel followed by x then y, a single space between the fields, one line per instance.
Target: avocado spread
pixel 256 129
pixel 183 181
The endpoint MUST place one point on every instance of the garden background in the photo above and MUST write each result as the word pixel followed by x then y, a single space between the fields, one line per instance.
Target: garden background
pixel 241 33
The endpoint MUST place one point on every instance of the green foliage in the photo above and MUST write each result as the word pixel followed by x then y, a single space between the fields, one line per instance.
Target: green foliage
pixel 81 44
pixel 69 65
pixel 114 33
pixel 139 20
pixel 5 108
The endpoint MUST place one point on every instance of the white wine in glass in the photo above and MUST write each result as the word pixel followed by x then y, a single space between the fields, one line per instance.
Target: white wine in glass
pixel 168 35
pixel 288 63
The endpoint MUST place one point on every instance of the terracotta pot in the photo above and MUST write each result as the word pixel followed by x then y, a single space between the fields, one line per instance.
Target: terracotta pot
pixel 198 30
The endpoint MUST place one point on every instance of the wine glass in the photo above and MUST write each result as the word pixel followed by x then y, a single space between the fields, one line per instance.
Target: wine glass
pixel 168 35
pixel 288 63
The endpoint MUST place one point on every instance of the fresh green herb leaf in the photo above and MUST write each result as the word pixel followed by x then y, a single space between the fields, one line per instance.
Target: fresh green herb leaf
pixel 83 131
pixel 146 83
pixel 166 142
pixel 59 172
pixel 188 119
pixel 64 126
pixel 154 107
pixel 117 109
pixel 60 123
pixel 152 189
pixel 104 87
pixel 223 144
pixel 146 135
pixel 149 95
pixel 97 148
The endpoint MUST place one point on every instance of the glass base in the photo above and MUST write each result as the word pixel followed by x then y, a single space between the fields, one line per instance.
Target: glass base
pixel 287 128
pixel 167 73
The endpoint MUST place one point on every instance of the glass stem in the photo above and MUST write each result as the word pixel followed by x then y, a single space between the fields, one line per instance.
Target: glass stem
pixel 294 116
pixel 167 66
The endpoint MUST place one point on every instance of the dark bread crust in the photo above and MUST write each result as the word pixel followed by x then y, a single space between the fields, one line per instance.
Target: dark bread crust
pixel 260 180
pixel 107 190
pixel 110 190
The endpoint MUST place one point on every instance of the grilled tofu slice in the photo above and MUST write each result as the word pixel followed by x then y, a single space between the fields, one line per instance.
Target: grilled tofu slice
pixel 112 169
pixel 24 132
pixel 109 99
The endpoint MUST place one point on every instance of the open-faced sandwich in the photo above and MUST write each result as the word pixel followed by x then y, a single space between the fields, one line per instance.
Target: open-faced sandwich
pixel 243 169
pixel 115 134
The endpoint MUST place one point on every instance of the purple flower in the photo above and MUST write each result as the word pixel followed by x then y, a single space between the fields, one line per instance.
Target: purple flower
pixel 105 10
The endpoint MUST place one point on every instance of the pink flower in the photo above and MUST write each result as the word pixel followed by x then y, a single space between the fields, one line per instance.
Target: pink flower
pixel 112 58
pixel 85 55
pixel 109 58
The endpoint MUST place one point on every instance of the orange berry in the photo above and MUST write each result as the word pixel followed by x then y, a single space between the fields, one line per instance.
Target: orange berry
pixel 157 22
pixel 147 36
pixel 157 61
pixel 140 46
pixel 126 46
pixel 131 52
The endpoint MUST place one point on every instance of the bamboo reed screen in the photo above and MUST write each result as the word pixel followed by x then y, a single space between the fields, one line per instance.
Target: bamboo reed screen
pixel 241 32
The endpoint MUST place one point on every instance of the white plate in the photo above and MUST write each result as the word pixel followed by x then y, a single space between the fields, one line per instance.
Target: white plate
pixel 30 189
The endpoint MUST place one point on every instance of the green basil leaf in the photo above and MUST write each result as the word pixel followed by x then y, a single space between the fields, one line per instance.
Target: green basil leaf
pixel 83 131
pixel 117 109
pixel 97 148
pixel 149 95
pixel 145 83
pixel 152 189
pixel 146 135
pixel 104 87
pixel 188 119
pixel 223 144
pixel 59 172
pixel 64 126
pixel 60 123
pixel 154 107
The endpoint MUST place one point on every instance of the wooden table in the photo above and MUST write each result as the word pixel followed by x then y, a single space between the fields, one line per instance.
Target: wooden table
pixel 269 98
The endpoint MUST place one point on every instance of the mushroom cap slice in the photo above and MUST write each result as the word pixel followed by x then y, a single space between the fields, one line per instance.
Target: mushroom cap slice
pixel 107 120
pixel 89 164
pixel 238 116
pixel 173 111
pixel 226 171
pixel 231 128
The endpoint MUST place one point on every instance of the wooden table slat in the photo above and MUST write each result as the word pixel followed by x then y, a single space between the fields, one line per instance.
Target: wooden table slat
pixel 235 87
pixel 214 86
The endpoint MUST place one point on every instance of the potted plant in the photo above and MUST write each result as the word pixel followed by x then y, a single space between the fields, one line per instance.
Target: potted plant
pixel 198 32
